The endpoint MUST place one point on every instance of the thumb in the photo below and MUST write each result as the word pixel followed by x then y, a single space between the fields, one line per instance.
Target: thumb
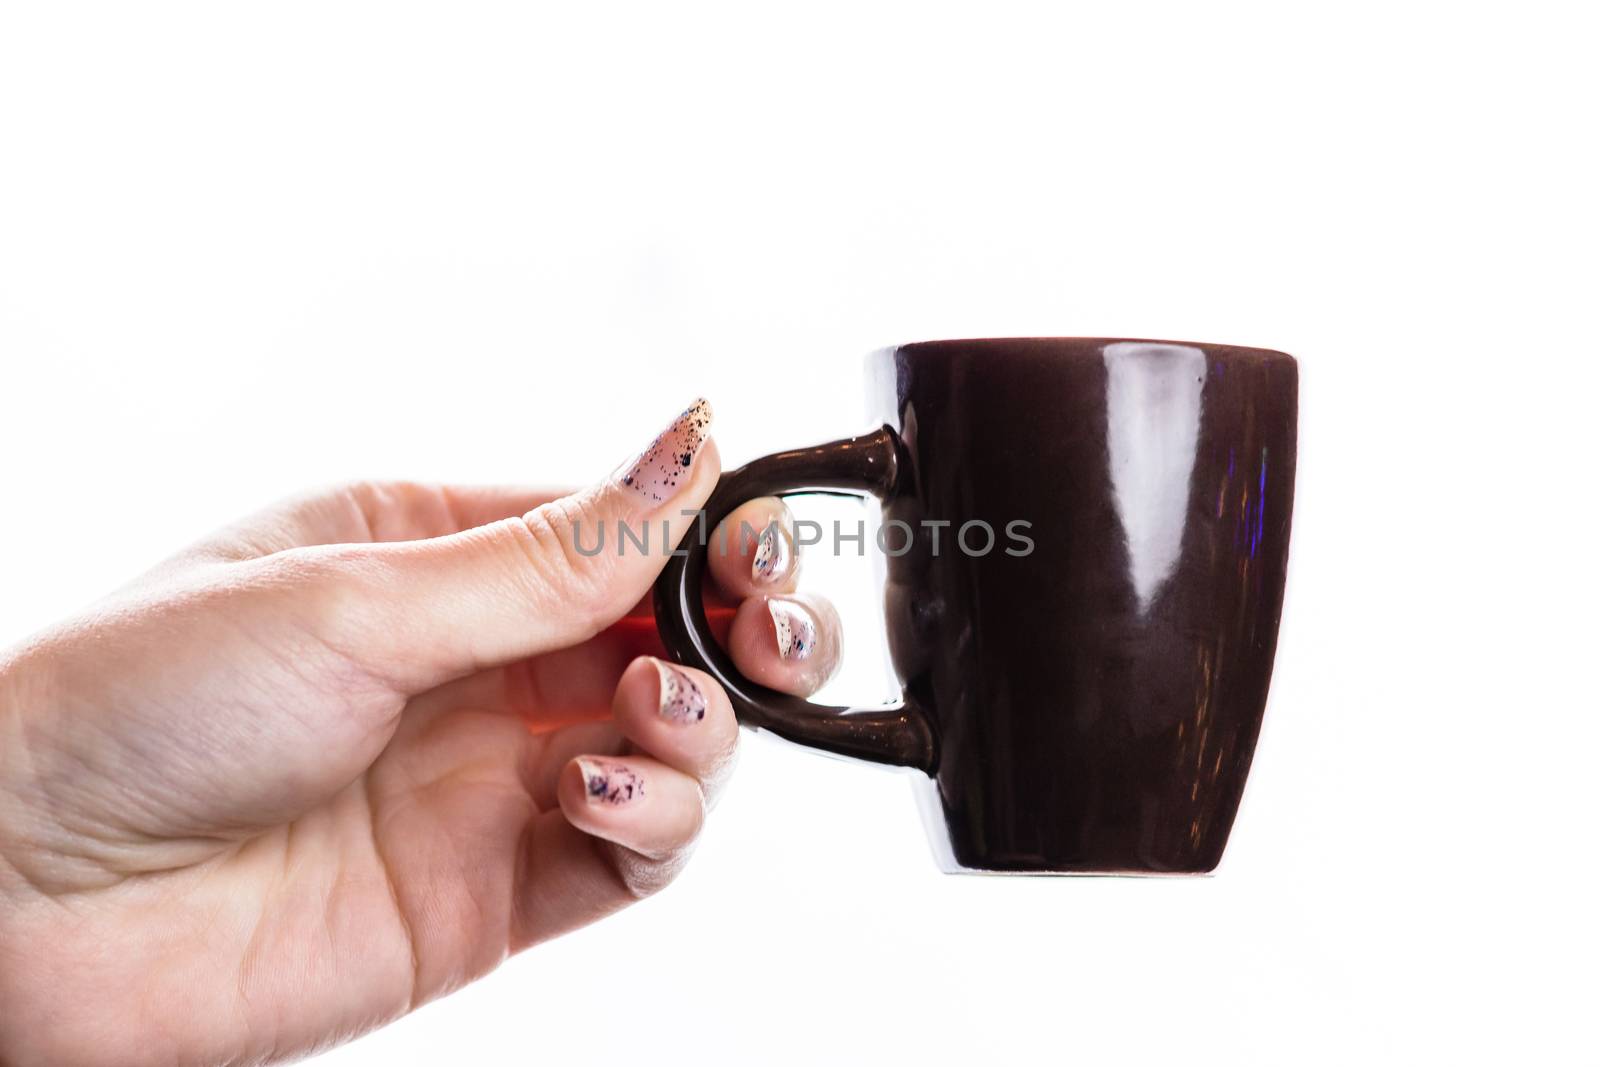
pixel 419 613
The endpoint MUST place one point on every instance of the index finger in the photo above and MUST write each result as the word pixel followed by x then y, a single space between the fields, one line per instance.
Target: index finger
pixel 367 512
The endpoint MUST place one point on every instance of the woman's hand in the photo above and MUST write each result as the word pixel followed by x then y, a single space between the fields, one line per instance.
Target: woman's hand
pixel 347 755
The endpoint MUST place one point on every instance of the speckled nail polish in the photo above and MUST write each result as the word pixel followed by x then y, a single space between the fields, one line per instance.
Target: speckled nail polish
pixel 772 558
pixel 661 469
pixel 681 698
pixel 609 783
pixel 796 631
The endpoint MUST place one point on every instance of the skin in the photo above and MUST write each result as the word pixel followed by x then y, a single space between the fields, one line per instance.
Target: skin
pixel 321 767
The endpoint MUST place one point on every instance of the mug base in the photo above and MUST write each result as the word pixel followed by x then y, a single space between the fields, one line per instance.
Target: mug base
pixel 1014 872
pixel 929 810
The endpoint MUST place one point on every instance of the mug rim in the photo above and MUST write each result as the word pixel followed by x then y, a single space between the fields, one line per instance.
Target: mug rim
pixel 1081 346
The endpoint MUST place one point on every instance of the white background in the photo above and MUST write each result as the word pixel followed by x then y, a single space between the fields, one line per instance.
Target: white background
pixel 249 248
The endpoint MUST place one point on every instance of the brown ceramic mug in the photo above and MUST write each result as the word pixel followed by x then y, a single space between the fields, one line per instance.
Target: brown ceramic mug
pixel 1087 702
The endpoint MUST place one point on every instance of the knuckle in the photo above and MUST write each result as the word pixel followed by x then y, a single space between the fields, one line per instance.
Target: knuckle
pixel 566 541
pixel 305 578
pixel 322 597
pixel 720 766
pixel 364 501
pixel 719 737
pixel 327 579
pixel 396 510
pixel 642 876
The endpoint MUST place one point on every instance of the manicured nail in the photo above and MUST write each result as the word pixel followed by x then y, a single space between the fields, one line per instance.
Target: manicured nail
pixel 609 783
pixel 681 698
pixel 796 630
pixel 773 557
pixel 662 469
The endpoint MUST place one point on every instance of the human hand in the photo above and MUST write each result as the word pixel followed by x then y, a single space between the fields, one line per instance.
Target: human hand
pixel 350 753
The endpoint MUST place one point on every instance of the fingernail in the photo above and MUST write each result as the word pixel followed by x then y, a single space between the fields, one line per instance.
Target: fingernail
pixel 661 469
pixel 794 627
pixel 609 783
pixel 773 557
pixel 681 698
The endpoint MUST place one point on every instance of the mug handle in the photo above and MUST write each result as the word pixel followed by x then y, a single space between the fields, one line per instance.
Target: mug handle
pixel 871 464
